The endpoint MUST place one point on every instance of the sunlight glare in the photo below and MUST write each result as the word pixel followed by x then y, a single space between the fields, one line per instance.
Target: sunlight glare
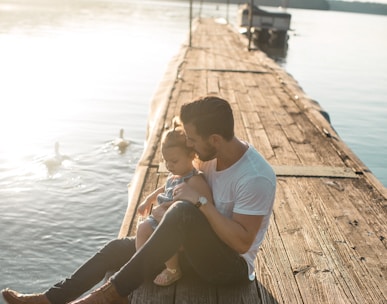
pixel 39 89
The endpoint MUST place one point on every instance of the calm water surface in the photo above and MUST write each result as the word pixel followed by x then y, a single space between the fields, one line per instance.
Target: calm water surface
pixel 75 72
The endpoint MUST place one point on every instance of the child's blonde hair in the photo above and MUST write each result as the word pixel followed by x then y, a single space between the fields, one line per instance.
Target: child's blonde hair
pixel 175 137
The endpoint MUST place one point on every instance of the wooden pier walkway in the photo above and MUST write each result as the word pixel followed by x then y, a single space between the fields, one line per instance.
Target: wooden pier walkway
pixel 327 238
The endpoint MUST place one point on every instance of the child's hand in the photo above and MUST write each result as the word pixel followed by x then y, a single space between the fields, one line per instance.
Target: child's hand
pixel 144 208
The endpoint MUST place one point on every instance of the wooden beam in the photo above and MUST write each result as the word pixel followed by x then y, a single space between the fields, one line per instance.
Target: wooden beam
pixel 314 171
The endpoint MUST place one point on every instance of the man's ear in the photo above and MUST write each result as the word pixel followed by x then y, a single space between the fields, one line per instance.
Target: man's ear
pixel 215 139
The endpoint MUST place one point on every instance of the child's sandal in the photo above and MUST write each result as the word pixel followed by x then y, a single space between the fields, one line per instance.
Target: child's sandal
pixel 168 277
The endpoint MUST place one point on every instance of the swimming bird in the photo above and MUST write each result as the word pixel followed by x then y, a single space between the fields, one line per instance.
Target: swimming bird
pixel 121 143
pixel 54 162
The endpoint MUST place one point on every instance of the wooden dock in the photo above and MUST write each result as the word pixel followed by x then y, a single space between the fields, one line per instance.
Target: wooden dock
pixel 327 238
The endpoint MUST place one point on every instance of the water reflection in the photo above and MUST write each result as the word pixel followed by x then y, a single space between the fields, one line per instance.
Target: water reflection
pixel 278 54
pixel 275 46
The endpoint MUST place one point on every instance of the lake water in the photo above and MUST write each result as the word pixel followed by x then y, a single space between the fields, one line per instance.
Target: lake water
pixel 75 72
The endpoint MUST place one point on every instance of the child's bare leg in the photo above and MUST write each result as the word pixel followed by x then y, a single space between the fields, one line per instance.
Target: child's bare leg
pixel 144 231
pixel 173 263
pixel 171 274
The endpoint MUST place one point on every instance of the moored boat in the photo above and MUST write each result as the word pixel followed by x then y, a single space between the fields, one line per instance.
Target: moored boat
pixel 267 27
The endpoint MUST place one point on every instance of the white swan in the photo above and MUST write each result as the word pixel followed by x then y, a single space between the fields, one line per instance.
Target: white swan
pixel 121 143
pixel 54 162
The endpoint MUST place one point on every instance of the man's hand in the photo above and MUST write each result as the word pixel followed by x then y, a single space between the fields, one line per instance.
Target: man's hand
pixel 185 192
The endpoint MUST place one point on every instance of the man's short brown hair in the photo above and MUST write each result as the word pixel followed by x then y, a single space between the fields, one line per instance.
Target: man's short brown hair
pixel 210 115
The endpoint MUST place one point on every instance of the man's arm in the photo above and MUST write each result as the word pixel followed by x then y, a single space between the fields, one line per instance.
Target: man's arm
pixel 240 230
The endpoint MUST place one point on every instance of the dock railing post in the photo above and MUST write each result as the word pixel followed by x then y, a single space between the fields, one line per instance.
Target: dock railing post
pixel 228 4
pixel 250 23
pixel 190 23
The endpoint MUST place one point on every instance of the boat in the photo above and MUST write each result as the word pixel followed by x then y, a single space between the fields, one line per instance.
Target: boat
pixel 269 28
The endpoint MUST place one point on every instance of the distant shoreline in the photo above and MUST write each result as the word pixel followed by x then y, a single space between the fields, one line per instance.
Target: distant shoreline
pixel 359 7
pixel 329 5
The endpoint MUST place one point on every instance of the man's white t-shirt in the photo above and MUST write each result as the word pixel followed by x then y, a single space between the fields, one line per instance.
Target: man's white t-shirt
pixel 247 187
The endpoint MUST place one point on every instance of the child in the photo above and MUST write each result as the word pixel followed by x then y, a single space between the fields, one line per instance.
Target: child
pixel 179 162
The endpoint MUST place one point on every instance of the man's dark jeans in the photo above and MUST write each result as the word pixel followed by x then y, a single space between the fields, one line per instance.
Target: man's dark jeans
pixel 182 226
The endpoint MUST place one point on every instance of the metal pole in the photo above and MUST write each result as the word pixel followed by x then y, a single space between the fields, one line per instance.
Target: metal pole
pixel 228 4
pixel 250 22
pixel 190 23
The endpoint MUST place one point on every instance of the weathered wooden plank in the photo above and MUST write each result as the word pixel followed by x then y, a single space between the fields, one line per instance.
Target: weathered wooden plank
pixel 239 127
pixel 310 262
pixel 318 143
pixel 191 290
pixel 200 83
pixel 294 130
pixel 247 293
pixel 133 198
pixel 338 249
pixel 149 293
pixel 256 133
pixel 212 84
pixel 362 231
pixel 275 277
pixel 282 148
pixel 314 171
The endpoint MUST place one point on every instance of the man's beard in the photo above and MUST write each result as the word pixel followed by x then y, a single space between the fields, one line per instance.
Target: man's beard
pixel 209 154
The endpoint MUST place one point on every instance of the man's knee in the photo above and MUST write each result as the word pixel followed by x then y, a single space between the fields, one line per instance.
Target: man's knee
pixel 181 207
pixel 182 212
pixel 119 245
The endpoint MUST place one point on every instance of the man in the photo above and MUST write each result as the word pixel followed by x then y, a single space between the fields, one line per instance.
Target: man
pixel 220 239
